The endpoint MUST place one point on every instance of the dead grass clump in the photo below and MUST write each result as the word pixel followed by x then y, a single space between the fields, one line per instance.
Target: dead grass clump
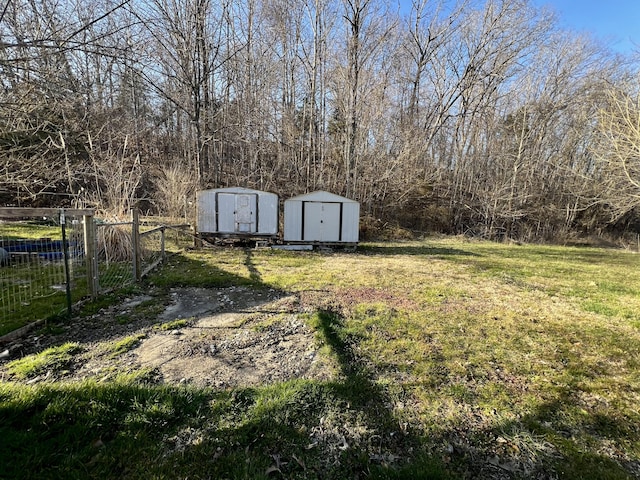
pixel 376 229
pixel 115 243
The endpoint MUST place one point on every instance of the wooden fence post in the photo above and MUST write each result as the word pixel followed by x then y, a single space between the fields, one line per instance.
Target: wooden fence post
pixel 162 244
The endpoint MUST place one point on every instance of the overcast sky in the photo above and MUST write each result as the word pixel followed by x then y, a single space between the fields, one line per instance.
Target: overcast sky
pixel 615 21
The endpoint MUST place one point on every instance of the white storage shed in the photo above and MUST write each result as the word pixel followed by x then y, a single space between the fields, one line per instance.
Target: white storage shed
pixel 237 211
pixel 321 217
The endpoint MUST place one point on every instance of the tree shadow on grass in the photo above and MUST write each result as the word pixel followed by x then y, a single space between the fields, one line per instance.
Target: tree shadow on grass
pixel 357 389
pixel 552 445
pixel 344 428
pixel 412 249
pixel 254 273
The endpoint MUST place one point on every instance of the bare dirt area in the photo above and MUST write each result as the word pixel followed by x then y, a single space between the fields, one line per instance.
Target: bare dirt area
pixel 228 337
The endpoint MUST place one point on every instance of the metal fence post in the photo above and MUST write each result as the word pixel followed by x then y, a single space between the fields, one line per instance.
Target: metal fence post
pixel 67 266
pixel 135 241
pixel 91 258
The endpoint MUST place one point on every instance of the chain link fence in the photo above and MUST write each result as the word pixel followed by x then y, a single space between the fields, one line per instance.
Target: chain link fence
pixel 114 255
pixel 156 241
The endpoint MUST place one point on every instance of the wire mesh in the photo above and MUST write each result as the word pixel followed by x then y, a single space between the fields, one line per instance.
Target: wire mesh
pixel 179 238
pixel 156 242
pixel 116 250
pixel 33 280
pixel 115 255
pixel 152 244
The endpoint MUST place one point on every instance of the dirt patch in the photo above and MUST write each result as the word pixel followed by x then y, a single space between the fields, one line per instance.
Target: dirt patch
pixel 350 297
pixel 236 336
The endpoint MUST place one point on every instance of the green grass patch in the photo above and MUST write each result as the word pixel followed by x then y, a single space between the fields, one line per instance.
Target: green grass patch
pixel 29 230
pixel 29 292
pixel 209 268
pixel 51 308
pixel 54 359
pixel 173 324
pixel 605 281
pixel 125 345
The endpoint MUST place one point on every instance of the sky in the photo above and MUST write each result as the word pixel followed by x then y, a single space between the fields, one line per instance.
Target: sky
pixel 615 22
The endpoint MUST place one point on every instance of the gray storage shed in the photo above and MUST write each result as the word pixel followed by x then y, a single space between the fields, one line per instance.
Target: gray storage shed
pixel 237 211
pixel 321 217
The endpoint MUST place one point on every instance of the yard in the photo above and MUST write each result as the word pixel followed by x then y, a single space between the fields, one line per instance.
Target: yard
pixel 442 358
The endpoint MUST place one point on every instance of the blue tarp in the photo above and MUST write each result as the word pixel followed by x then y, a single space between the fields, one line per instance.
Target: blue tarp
pixel 46 249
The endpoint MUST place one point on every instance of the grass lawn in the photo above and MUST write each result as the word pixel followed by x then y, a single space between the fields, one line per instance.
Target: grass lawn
pixel 454 359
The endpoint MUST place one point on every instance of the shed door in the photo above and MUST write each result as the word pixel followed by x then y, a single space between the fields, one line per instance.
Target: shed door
pixel 246 209
pixel 206 212
pixel 321 222
pixel 237 212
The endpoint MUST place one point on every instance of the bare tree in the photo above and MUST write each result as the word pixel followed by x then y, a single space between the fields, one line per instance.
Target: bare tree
pixel 42 98
pixel 479 117
pixel 182 66
pixel 618 152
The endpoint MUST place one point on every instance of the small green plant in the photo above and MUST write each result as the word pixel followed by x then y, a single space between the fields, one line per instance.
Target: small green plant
pixel 54 359
pixel 123 319
pixel 264 324
pixel 126 344
pixel 107 300
pixel 173 325
pixel 53 328
pixel 148 309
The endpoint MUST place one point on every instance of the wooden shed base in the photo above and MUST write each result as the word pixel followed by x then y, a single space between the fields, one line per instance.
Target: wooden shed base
pixel 236 239
pixel 345 246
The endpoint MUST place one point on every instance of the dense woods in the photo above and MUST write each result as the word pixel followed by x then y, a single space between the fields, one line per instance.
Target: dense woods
pixel 476 117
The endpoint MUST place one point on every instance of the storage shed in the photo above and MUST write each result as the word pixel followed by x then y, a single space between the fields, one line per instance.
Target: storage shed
pixel 237 211
pixel 321 217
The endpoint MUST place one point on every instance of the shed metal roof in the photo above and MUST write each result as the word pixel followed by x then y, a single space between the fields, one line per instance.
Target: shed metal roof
pixel 235 190
pixel 322 196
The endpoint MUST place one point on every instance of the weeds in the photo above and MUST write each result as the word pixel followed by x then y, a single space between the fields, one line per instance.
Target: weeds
pixel 114 242
pixel 126 344
pixel 173 325
pixel 54 359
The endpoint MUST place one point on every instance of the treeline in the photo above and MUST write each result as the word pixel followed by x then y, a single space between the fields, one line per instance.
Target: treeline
pixel 478 117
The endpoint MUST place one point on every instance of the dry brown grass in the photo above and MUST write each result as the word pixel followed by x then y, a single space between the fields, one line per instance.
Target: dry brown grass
pixel 115 243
